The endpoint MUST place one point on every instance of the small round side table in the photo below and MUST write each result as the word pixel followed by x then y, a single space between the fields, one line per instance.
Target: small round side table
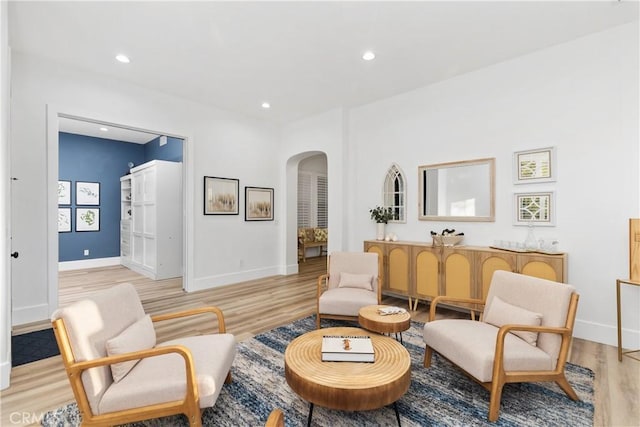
pixel 369 319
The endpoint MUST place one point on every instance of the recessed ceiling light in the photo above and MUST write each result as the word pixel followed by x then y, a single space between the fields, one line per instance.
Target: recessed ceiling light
pixel 123 58
pixel 368 55
pixel 104 129
pixel 266 105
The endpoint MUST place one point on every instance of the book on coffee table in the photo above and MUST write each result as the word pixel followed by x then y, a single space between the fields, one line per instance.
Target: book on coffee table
pixel 345 348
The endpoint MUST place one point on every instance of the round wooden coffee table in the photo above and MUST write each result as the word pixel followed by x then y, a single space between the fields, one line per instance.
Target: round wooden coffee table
pixel 369 319
pixel 348 386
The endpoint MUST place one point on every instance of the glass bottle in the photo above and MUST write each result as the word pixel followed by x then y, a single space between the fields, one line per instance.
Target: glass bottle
pixel 531 242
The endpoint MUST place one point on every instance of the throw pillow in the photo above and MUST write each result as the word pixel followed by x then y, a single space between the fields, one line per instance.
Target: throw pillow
pixel 305 234
pixel 138 336
pixel 320 234
pixel 502 313
pixel 349 280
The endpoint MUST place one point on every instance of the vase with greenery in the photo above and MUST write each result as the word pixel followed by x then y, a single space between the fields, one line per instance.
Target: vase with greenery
pixel 381 215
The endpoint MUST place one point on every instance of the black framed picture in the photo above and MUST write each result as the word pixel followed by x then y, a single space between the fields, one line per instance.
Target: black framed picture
pixel 258 204
pixel 221 196
pixel 87 193
pixel 64 220
pixel 64 192
pixel 87 219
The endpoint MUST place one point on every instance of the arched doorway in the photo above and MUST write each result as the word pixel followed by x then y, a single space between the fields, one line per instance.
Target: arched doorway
pixel 306 172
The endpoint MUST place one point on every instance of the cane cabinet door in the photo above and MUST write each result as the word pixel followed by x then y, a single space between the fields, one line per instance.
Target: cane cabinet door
pixel 398 268
pixel 487 262
pixel 426 271
pixel 550 267
pixel 457 273
pixel 378 248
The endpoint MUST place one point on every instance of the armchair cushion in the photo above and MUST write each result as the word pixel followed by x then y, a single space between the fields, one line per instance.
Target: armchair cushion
pixel 349 280
pixel 501 313
pixel 139 336
pixel 346 301
pixel 162 378
pixel 353 262
pixel 538 295
pixel 471 345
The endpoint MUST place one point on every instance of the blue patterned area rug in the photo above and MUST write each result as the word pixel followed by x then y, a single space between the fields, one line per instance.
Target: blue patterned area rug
pixel 438 396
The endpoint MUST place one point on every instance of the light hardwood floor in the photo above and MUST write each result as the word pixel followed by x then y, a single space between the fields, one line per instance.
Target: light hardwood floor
pixel 257 306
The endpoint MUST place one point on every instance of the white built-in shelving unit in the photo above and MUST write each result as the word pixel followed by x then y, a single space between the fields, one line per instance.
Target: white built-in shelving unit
pixel 151 219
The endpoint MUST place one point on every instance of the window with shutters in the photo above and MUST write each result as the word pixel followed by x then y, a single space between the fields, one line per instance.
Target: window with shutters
pixel 304 200
pixel 395 193
pixel 312 200
pixel 321 208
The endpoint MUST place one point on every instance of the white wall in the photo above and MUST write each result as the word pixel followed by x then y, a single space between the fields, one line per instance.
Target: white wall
pixel 5 248
pixel 224 249
pixel 581 97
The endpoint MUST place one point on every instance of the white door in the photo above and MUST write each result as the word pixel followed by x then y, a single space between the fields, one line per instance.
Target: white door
pixel 31 286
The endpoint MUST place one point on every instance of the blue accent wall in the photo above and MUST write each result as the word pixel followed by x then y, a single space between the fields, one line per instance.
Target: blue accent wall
pixel 84 158
pixel 171 151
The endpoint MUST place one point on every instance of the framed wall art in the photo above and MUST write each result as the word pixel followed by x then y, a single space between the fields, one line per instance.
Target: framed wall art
pixel 64 220
pixel 87 193
pixel 535 166
pixel 64 192
pixel 87 219
pixel 534 208
pixel 258 204
pixel 221 196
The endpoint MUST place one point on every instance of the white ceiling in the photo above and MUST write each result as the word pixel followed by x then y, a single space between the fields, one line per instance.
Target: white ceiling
pixel 302 57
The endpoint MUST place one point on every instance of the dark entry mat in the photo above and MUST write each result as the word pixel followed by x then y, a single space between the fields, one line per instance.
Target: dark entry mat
pixel 33 346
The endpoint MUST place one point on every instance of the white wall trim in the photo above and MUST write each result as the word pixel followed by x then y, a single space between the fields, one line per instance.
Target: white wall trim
pixel 292 269
pixel 5 374
pixel 606 334
pixel 5 200
pixel 88 263
pixel 52 221
pixel 232 278
pixel 27 314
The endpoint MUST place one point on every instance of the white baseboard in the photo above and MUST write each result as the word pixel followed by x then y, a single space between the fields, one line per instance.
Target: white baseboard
pixel 229 279
pixel 88 263
pixel 606 334
pixel 139 269
pixel 32 313
pixel 291 269
pixel 5 374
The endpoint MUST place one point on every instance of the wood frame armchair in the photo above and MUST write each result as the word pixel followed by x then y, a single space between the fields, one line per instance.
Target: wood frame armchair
pixel 276 418
pixel 78 372
pixel 343 303
pixel 500 373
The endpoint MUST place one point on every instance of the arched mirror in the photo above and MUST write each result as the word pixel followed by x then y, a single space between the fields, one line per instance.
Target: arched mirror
pixel 457 191
pixel 395 193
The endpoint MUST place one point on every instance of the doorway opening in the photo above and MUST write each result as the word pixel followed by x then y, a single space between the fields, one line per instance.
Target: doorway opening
pixel 95 209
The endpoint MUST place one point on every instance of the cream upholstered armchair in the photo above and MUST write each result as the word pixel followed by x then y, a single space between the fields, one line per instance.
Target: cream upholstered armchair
pixel 352 282
pixel 524 335
pixel 119 374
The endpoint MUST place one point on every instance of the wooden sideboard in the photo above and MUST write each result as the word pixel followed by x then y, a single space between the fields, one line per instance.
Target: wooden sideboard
pixel 420 271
